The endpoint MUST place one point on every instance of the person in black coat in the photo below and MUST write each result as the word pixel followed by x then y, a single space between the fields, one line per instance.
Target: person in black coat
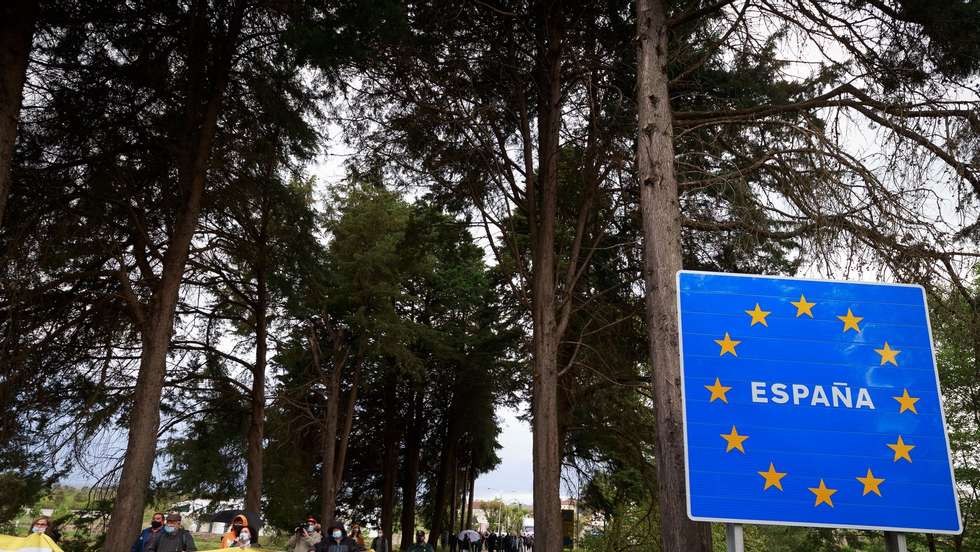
pixel 336 540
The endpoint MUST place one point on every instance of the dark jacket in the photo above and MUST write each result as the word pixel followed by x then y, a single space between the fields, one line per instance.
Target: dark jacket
pixel 146 537
pixel 329 544
pixel 380 544
pixel 178 541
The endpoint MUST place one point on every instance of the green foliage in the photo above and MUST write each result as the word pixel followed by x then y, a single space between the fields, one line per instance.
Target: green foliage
pixel 504 517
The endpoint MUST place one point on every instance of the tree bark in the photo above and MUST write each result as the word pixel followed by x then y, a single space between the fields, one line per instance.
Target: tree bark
pixel 253 481
pixel 157 318
pixel 661 215
pixel 469 503
pixel 328 445
pixel 389 469
pixel 338 474
pixel 465 483
pixel 447 468
pixel 546 333
pixel 410 484
pixel 454 501
pixel 17 20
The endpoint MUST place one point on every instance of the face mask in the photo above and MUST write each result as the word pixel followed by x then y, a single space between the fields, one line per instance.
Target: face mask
pixel 311 528
pixel 170 528
pixel 245 536
pixel 37 529
pixel 156 524
pixel 337 534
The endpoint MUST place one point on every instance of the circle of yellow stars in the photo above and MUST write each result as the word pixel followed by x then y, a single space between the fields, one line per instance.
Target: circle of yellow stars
pixel 772 478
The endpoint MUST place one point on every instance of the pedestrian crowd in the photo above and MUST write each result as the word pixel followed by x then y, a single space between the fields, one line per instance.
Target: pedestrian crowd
pixel 488 542
pixel 165 534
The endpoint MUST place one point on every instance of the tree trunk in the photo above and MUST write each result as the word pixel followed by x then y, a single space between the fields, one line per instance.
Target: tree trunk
pixel 454 501
pixel 662 259
pixel 546 334
pixel 469 503
pixel 389 469
pixel 410 484
pixel 465 483
pixel 328 446
pixel 157 318
pixel 447 468
pixel 338 474
pixel 253 481
pixel 16 34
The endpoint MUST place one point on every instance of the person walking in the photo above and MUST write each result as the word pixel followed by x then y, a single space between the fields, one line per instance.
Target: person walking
pixel 174 538
pixel 335 540
pixel 149 534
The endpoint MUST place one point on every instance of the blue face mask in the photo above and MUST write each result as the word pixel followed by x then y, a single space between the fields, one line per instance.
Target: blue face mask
pixel 337 534
pixel 169 528
pixel 37 529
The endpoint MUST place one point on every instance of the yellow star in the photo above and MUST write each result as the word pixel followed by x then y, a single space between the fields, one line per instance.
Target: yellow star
pixel 851 321
pixel 758 316
pixel 870 483
pixel 718 391
pixel 888 354
pixel 823 494
pixel 734 440
pixel 802 307
pixel 727 345
pixel 907 402
pixel 901 450
pixel 772 477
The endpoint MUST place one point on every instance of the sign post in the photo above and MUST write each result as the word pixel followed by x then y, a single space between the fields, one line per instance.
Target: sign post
pixel 734 538
pixel 812 403
pixel 895 542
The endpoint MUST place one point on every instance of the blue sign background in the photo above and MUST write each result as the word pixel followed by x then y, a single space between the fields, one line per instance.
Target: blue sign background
pixel 802 458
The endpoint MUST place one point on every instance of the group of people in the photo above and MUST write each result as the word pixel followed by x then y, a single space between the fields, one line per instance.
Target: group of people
pixel 490 542
pixel 309 537
pixel 165 534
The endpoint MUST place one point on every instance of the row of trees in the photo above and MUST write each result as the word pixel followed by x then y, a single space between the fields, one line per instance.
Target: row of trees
pixel 163 254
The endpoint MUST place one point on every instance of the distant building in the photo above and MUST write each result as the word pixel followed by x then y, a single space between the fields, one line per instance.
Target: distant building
pixel 195 513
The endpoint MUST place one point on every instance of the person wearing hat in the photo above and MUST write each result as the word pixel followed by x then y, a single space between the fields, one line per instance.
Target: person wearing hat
pixel 305 537
pixel 173 539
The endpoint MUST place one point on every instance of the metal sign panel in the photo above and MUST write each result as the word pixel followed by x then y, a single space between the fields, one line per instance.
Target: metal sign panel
pixel 810 402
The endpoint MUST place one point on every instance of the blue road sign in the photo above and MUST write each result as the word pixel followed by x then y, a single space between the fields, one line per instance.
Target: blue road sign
pixel 810 402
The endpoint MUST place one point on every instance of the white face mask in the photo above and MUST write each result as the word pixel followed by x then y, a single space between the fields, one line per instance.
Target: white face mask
pixel 245 536
pixel 37 529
